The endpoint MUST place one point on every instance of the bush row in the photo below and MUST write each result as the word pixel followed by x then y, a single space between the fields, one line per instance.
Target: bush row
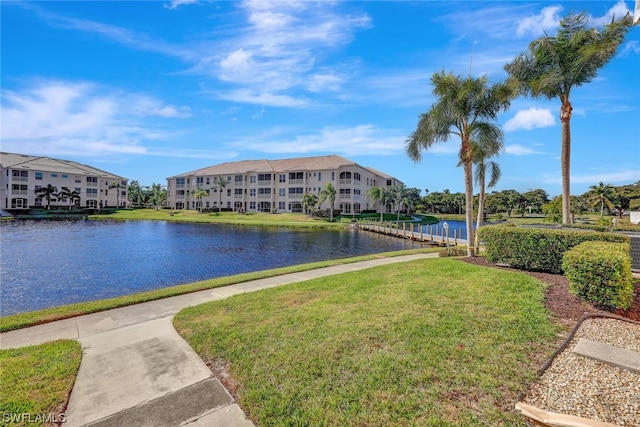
pixel 600 273
pixel 536 249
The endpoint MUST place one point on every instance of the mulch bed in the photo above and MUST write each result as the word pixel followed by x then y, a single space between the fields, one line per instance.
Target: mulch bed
pixel 563 304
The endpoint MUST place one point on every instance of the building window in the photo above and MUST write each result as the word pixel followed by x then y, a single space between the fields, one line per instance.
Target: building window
pixel 229 194
pixel 238 179
pixel 389 184
pixel 92 204
pixel 39 176
pixel 238 192
pixel 333 176
pixel 281 205
pixel 92 192
pixel 19 204
pixel 65 176
pixel 319 176
pixel 252 205
pixel 252 192
pixel 252 179
pixel 179 205
pixel 200 180
pixel 179 182
pixel 208 181
pixel 54 175
pixel 92 181
pixel 283 177
pixel 296 190
pixel 264 191
pixel 229 180
pixel 295 207
pixel 264 177
pixel 282 192
pixel 356 176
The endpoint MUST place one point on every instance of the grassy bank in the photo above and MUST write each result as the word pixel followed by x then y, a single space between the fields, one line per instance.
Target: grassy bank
pixel 31 318
pixel 36 381
pixel 249 218
pixel 433 342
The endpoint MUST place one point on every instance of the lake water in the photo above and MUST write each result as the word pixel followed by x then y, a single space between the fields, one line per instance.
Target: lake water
pixel 50 263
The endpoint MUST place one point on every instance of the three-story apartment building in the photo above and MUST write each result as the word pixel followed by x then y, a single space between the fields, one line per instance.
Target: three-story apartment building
pixel 278 185
pixel 22 175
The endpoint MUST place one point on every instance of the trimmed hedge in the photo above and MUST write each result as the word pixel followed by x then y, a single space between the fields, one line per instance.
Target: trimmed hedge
pixel 536 249
pixel 600 273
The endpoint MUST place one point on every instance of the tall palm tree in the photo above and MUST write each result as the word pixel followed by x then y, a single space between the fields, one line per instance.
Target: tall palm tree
pixel 199 193
pixel 220 183
pixel 67 194
pixel 481 153
pixel 466 108
pixel 379 194
pixel 328 193
pixel 398 195
pixel 47 193
pixel 554 65
pixel 602 194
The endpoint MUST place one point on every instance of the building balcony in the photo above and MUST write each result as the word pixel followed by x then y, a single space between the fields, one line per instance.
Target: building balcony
pixel 296 196
pixel 19 192
pixel 345 181
pixel 19 178
pixel 264 183
pixel 296 181
pixel 345 196
pixel 264 196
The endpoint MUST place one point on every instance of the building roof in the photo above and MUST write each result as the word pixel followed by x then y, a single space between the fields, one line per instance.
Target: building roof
pixel 273 166
pixel 42 163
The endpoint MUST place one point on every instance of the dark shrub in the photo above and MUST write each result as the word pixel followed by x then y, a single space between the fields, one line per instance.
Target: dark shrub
pixel 536 249
pixel 600 273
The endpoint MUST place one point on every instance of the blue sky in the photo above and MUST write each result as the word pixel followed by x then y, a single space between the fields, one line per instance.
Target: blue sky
pixel 153 89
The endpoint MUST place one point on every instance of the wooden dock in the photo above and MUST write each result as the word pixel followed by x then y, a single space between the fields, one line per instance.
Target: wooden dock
pixel 437 236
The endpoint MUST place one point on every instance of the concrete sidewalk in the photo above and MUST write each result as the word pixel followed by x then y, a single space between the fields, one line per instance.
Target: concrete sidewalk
pixel 137 370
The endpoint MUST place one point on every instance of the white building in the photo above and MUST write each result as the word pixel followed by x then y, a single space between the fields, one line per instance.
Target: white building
pixel 278 185
pixel 22 175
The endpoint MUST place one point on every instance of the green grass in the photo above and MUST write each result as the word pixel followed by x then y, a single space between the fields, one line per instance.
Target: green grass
pixel 37 380
pixel 433 342
pixel 31 318
pixel 250 218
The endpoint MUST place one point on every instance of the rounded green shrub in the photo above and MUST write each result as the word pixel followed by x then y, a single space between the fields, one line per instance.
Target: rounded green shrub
pixel 600 273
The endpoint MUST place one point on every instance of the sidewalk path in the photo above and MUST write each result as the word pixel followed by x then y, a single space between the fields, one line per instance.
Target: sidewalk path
pixel 137 370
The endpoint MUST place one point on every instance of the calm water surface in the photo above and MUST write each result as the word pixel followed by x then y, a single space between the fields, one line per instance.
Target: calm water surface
pixel 50 263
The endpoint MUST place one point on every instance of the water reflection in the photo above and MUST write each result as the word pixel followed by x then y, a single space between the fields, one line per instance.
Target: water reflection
pixel 45 264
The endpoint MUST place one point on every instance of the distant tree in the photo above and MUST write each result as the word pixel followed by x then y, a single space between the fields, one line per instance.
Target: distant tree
pixel 554 65
pixel 309 201
pixel 136 193
pixel 536 198
pixel 198 194
pixel 602 195
pixel 66 194
pixel 466 108
pixel 328 193
pixel 158 195
pixel 47 193
pixel 379 194
pixel 219 183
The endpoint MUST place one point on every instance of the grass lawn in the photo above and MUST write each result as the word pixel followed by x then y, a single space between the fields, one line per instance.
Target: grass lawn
pixel 249 218
pixel 433 342
pixel 37 380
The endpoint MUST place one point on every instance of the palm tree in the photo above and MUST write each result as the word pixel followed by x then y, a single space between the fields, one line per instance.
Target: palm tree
pixel 199 193
pixel 220 183
pixel 158 194
pixel 379 194
pixel 553 66
pixel 328 193
pixel 308 202
pixel 465 107
pixel 483 165
pixel 117 185
pixel 398 195
pixel 603 195
pixel 65 193
pixel 47 193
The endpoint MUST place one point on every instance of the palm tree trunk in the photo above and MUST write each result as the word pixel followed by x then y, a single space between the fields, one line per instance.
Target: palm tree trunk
pixel 565 118
pixel 468 189
pixel 476 241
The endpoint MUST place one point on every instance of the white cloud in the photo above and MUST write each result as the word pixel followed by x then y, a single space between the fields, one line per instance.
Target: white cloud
pixel 632 47
pixel 351 141
pixel 520 150
pixel 530 119
pixel 610 177
pixel 617 11
pixel 548 19
pixel 174 4
pixel 246 96
pixel 62 118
